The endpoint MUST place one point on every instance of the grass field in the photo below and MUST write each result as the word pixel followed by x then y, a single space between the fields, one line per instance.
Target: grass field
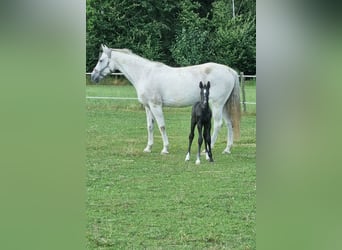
pixel 151 201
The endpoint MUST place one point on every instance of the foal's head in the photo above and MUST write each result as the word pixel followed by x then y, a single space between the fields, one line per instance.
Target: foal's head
pixel 204 93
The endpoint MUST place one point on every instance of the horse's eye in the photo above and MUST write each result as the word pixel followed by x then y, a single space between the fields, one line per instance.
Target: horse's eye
pixel 101 61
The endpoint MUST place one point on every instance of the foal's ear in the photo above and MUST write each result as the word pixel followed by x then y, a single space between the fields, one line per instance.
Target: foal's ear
pixel 201 85
pixel 208 84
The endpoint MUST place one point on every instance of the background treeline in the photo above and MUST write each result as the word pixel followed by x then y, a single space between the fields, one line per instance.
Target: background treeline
pixel 175 32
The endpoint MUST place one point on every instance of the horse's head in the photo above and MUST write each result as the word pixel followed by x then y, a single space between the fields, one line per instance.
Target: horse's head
pixel 204 93
pixel 104 65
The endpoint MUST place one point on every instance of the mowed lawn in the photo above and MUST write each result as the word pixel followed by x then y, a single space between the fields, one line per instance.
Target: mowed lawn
pixel 137 200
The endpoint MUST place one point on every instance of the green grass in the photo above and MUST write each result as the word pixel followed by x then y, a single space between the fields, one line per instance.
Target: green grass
pixel 151 201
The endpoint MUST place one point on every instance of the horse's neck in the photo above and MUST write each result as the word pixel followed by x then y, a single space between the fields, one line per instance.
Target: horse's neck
pixel 132 66
pixel 205 108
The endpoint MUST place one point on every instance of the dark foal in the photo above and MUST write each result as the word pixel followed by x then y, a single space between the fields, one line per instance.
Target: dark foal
pixel 201 116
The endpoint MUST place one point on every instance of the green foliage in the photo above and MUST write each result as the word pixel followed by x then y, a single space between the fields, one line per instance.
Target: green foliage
pixel 176 32
pixel 235 43
pixel 192 38
pixel 139 25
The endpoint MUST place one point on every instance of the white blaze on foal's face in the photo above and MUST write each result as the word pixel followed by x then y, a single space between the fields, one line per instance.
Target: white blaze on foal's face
pixel 204 95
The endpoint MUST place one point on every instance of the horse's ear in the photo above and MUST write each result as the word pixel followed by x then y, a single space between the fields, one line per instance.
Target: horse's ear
pixel 208 84
pixel 104 47
pixel 201 85
pixel 108 52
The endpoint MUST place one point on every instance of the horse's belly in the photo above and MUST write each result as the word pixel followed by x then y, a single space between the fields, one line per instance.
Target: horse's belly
pixel 179 101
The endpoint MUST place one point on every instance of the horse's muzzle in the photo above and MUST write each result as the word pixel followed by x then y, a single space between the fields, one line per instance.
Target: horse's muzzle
pixel 95 77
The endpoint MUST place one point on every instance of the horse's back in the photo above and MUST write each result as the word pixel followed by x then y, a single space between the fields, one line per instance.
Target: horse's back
pixel 176 85
pixel 222 79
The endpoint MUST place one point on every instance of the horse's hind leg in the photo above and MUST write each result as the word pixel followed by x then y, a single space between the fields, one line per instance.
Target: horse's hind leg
pixel 158 115
pixel 217 115
pixel 150 125
pixel 230 135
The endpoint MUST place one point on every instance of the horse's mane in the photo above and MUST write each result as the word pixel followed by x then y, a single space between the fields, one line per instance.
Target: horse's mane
pixel 130 52
pixel 127 51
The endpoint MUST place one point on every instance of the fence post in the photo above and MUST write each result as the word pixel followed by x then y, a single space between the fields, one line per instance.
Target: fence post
pixel 242 79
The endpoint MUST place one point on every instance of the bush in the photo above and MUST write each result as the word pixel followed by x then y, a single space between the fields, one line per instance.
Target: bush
pixel 175 32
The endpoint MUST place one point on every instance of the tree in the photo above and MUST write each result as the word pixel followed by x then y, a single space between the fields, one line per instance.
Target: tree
pixel 192 36
pixel 176 32
pixel 146 27
pixel 234 38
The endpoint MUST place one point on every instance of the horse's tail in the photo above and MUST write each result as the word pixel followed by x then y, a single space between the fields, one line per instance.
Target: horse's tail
pixel 233 106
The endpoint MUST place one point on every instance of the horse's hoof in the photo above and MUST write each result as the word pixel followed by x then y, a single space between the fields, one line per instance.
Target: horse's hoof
pixel 226 151
pixel 147 149
pixel 164 152
pixel 198 162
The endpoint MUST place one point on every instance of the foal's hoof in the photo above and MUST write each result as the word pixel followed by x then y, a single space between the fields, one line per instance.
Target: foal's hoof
pixel 187 157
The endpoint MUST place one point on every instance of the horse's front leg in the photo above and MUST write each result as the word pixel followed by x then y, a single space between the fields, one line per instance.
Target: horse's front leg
pixel 229 131
pixel 157 112
pixel 217 116
pixel 150 126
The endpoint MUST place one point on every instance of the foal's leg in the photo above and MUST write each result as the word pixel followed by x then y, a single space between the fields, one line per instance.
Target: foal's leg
pixel 158 115
pixel 207 142
pixel 230 135
pixel 150 125
pixel 191 137
pixel 200 141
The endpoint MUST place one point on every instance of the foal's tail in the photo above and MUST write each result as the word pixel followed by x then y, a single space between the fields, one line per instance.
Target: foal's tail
pixel 233 106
